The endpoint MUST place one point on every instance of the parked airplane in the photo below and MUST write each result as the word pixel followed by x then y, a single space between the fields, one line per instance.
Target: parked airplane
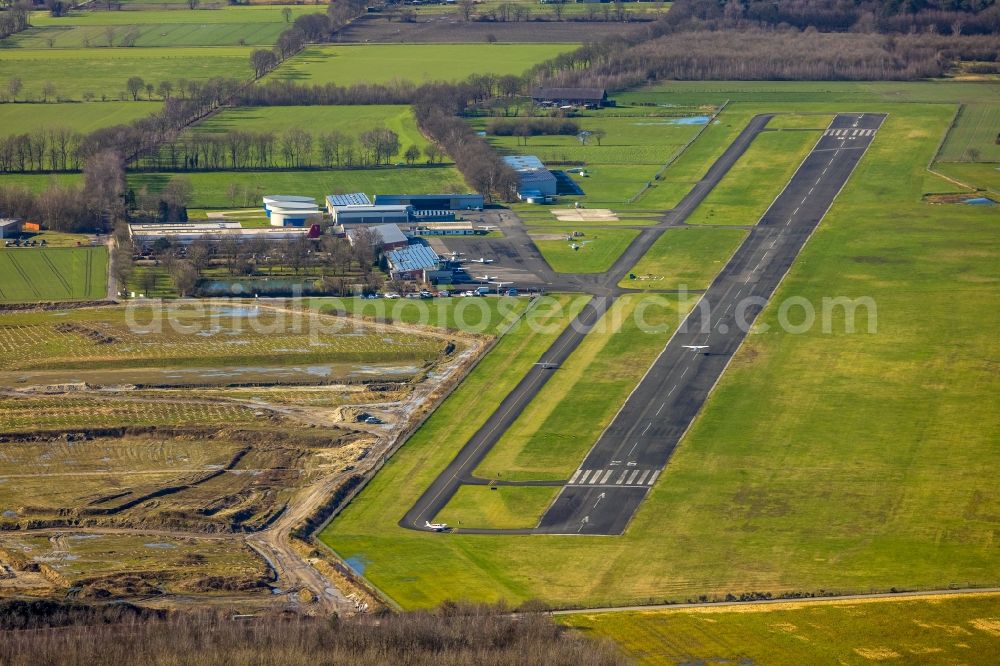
pixel 481 260
pixel 500 284
pixel 547 366
pixel 487 278
pixel 486 228
pixel 437 527
pixel 696 348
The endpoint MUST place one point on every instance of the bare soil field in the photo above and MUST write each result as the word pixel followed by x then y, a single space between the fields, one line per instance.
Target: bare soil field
pixel 444 29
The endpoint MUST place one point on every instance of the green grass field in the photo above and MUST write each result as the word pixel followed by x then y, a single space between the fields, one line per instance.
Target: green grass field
pixel 687 257
pixel 103 73
pixel 822 461
pixel 975 135
pixel 22 118
pixel 938 630
pixel 981 175
pixel 554 432
pixel 596 251
pixel 53 274
pixel 350 120
pixel 498 507
pixel 211 189
pixel 756 179
pixel 229 26
pixel 381 63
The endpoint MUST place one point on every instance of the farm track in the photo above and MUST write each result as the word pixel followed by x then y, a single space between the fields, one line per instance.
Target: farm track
pixel 24 276
pixel 59 276
pixel 88 270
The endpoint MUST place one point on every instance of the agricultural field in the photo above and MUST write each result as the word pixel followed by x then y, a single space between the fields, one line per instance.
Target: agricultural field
pixel 198 335
pixel 784 484
pixel 29 275
pixel 685 258
pixel 595 252
pixel 83 118
pixel 974 138
pixel 229 26
pixel 382 63
pixel 229 189
pixel 102 74
pixel 555 431
pixel 938 629
pixel 979 175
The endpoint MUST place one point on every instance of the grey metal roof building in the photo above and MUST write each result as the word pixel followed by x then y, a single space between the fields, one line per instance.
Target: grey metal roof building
pixel 411 259
pixel 433 201
pixel 534 180
pixel 353 199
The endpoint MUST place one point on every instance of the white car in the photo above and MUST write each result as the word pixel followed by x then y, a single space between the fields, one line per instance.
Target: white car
pixel 392 295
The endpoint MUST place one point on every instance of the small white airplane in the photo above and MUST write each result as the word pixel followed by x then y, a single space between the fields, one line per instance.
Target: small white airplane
pixel 546 365
pixel 487 278
pixel 481 260
pixel 500 284
pixel 696 348
pixel 437 527
pixel 486 228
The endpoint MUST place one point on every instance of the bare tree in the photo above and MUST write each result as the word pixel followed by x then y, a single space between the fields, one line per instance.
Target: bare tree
pixel 466 7
pixel 48 90
pixel 14 86
pixel 134 86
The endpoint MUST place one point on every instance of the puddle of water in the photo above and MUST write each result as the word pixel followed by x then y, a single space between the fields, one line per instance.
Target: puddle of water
pixel 358 564
pixel 686 120
pixel 10 514
pixel 163 546
pixel 979 201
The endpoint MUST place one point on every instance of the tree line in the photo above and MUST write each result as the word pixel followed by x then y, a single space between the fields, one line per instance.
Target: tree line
pixel 945 17
pixel 93 205
pixel 295 148
pixel 451 634
pixel 13 21
pixel 532 127
pixel 484 170
pixel 761 54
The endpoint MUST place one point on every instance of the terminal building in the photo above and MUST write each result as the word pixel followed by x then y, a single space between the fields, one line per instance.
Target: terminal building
pixel 535 183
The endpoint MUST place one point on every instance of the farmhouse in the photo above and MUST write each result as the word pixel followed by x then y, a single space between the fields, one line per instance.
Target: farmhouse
pixel 189 232
pixel 535 183
pixel 595 97
pixel 410 262
pixel 10 227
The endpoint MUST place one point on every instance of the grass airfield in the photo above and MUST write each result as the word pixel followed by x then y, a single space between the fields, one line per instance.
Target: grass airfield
pixel 785 483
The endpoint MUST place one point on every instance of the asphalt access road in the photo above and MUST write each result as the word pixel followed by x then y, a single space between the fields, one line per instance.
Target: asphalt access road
pixel 604 493
pixel 460 470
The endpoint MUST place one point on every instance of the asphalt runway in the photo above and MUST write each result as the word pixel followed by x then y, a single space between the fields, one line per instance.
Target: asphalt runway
pixel 607 489
pixel 629 456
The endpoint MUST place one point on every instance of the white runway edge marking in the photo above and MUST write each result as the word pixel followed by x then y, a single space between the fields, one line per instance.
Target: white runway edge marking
pixel 653 478
pixel 573 478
